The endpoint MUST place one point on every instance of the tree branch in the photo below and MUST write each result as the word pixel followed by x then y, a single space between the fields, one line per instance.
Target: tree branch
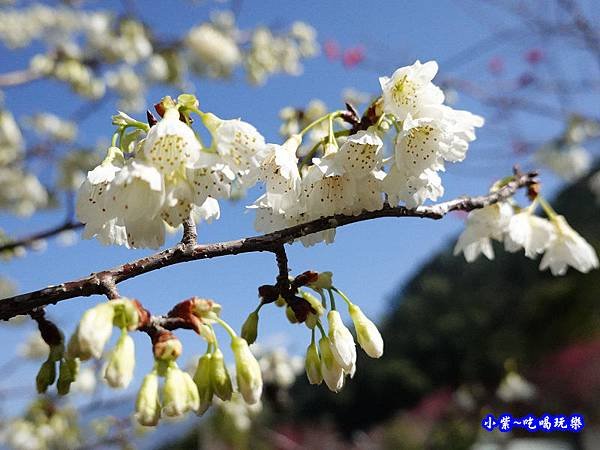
pixel 17 77
pixel 27 241
pixel 97 283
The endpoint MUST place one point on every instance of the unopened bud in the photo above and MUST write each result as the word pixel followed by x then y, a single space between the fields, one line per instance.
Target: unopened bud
pixel 248 374
pixel 74 350
pixel 369 337
pixel 126 313
pixel 119 370
pixel 175 396
pixel 342 342
pixel 250 327
pixel 45 376
pixel 188 101
pixel 193 398
pixel 202 379
pixel 121 119
pixel 332 372
pixel 323 281
pixel 316 305
pixel 290 314
pixel 219 377
pixel 313 365
pixel 205 309
pixel 147 405
pixel 94 330
pixel 67 374
pixel 167 347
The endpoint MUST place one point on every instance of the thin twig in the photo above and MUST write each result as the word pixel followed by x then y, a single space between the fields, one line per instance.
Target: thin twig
pixel 28 241
pixel 18 77
pixel 96 283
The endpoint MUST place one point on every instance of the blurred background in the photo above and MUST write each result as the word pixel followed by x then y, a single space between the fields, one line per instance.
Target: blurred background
pixel 461 340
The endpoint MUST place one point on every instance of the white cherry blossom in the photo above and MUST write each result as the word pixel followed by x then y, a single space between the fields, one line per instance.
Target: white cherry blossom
pixel 171 145
pixel 239 144
pixel 279 171
pixel 410 89
pixel 413 190
pixel 483 225
pixel 529 232
pixel 568 248
pixel 361 153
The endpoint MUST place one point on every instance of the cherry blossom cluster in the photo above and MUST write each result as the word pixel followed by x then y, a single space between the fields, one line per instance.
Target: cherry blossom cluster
pixel 347 171
pixel 354 172
pixel 146 184
pixel 521 229
pixel 158 175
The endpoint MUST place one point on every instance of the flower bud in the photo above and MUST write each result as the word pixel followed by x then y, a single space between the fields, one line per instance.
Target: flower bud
pixel 74 350
pixel 342 342
pixel 45 376
pixel 202 379
pixel 248 374
pixel 324 281
pixel 94 330
pixel 313 365
pixel 193 398
pixel 56 352
pixel 291 315
pixel 147 405
pixel 219 377
pixel 250 327
pixel 167 347
pixel 205 309
pixel 368 335
pixel 188 101
pixel 126 314
pixel 119 370
pixel 122 119
pixel 316 305
pixel 332 372
pixel 67 374
pixel 175 393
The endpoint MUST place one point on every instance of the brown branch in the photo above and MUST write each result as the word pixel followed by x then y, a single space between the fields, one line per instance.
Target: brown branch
pixel 28 241
pixel 272 242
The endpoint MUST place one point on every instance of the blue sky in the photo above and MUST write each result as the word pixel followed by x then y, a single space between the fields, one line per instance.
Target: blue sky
pixel 369 260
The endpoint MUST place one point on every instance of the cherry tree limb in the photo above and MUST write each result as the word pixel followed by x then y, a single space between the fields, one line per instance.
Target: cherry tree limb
pixel 104 282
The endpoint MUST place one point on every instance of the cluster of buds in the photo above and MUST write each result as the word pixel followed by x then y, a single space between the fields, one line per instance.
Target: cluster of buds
pixel 181 392
pixel 93 332
pixel 334 355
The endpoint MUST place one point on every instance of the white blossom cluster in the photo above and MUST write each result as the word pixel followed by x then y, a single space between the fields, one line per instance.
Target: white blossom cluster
pixel 95 51
pixel 520 229
pixel 168 176
pixel 20 26
pixel 42 427
pixel 53 127
pixel 160 176
pixel 353 177
pixel 20 190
